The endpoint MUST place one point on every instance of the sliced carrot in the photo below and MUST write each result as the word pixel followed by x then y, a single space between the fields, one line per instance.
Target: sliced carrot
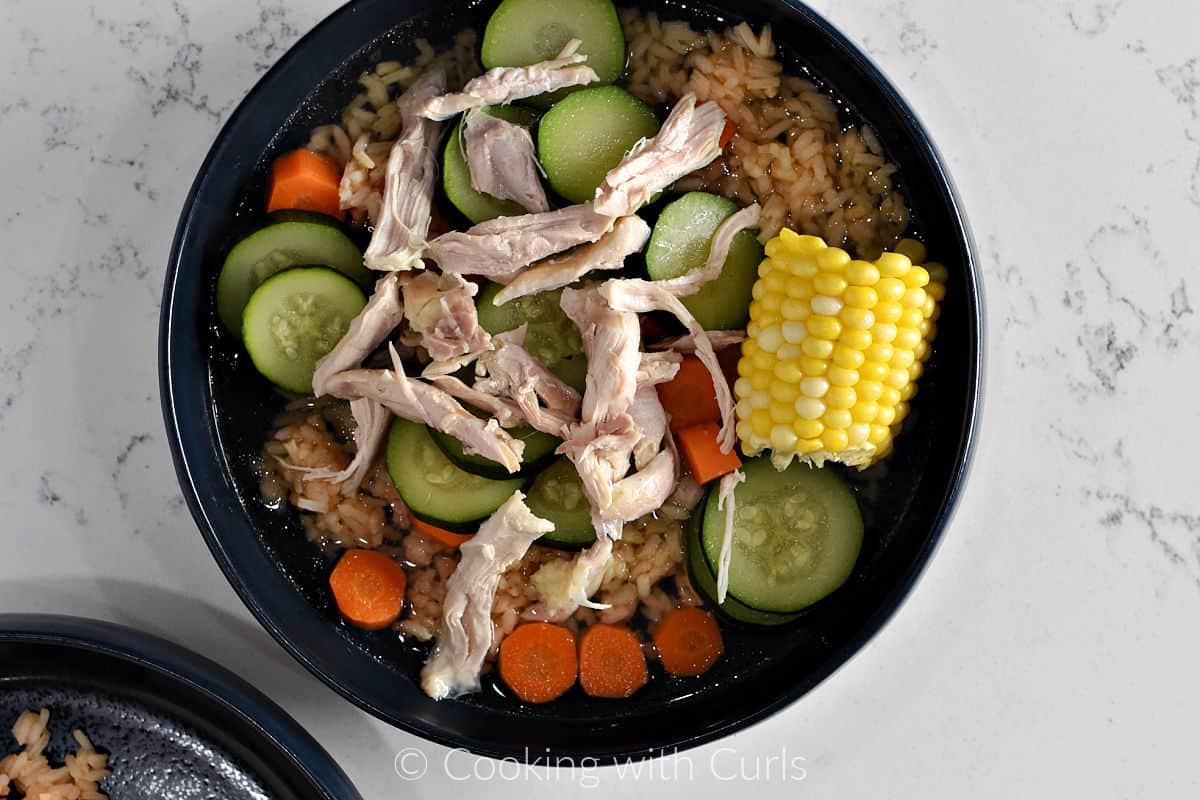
pixel 442 536
pixel 702 451
pixel 611 662
pixel 688 641
pixel 689 397
pixel 538 661
pixel 368 588
pixel 727 132
pixel 307 181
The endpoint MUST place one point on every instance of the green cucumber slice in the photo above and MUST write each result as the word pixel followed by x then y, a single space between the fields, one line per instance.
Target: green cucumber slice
pixel 797 535
pixel 680 243
pixel 538 447
pixel 704 581
pixel 456 176
pixel 557 495
pixel 550 335
pixel 278 247
pixel 434 488
pixel 524 32
pixel 294 318
pixel 586 134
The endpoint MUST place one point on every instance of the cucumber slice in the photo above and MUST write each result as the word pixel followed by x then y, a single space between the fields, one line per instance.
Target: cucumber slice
pixel 538 446
pixel 586 134
pixel 680 243
pixel 294 318
pixel 456 176
pixel 550 335
pixel 524 32
pixel 277 247
pixel 704 581
pixel 434 488
pixel 797 535
pixel 300 215
pixel 557 495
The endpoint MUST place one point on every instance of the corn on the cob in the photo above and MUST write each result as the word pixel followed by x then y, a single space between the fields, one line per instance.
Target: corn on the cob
pixel 834 349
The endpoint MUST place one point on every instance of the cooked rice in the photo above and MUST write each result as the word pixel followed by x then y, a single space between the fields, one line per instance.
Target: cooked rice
pixel 29 771
pixel 790 152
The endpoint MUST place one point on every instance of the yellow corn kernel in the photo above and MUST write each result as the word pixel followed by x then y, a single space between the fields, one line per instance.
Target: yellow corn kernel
pixel 785 392
pixel 862 273
pixel 901 412
pixel 781 412
pixel 839 376
pixel 771 302
pixel 914 298
pixel 857 434
pixel 835 440
pixel 793 333
pixel 760 422
pixel 903 359
pixel 760 398
pixel 829 284
pixel 762 361
pixel 807 446
pixel 817 348
pixel 742 387
pixel 885 416
pixel 888 312
pixel 861 297
pixel 789 352
pixel 814 387
pixel 824 327
pixel 841 397
pixel 911 318
pixel 789 372
pixel 893 265
pixel 908 391
pixel 783 438
pixel 879 434
pixel 770 339
pixel 907 339
pixel 848 357
pixel 795 310
pixel 813 366
pixel 889 396
pixel 760 381
pixel 865 411
pixel 809 407
pixel 912 249
pixel 856 338
pixel 916 371
pixel 828 306
pixel 890 290
pixel 833 259
pixel 808 428
pixel 883 332
pixel 857 317
pixel 874 371
pixel 838 418
pixel 868 390
pixel 916 277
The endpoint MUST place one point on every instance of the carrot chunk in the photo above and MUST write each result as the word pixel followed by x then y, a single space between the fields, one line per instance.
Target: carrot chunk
pixel 368 588
pixel 538 661
pixel 306 181
pixel 702 451
pixel 689 397
pixel 611 662
pixel 449 539
pixel 688 641
pixel 727 132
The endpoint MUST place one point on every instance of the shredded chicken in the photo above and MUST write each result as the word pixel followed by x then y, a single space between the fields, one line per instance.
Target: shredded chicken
pixel 441 308
pixel 501 247
pixel 722 239
pixel 511 371
pixel 647 489
pixel 628 236
pixel 689 139
pixel 502 161
pixel 361 189
pixel 465 635
pixel 648 414
pixel 611 340
pixel 421 402
pixel 726 502
pixel 658 367
pixel 403 224
pixel 371 425
pixel 504 85
pixel 687 343
pixel 639 296
pixel 371 328
pixel 504 410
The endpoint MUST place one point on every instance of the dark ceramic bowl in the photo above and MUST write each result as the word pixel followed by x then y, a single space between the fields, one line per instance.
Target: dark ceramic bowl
pixel 176 725
pixel 218 411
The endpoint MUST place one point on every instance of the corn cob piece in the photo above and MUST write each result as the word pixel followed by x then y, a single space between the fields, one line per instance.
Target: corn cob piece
pixel 834 349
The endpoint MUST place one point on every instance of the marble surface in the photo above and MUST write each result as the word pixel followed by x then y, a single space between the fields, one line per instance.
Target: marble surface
pixel 1051 647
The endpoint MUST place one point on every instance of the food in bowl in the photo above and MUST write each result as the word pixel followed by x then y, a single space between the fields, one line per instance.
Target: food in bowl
pixel 28 773
pixel 624 323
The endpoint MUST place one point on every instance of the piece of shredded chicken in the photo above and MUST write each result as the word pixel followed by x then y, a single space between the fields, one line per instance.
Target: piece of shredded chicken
pixel 628 236
pixel 638 296
pixel 689 139
pixel 648 414
pixel 722 239
pixel 687 343
pixel 402 227
pixel 726 502
pixel 502 161
pixel 371 420
pixel 429 405
pixel 441 308
pixel 501 247
pixel 611 341
pixel 367 331
pixel 510 371
pixel 465 634
pixel 503 85
pixel 505 411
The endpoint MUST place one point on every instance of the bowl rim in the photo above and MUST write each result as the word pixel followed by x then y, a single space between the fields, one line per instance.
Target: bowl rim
pixel 199 673
pixel 871 625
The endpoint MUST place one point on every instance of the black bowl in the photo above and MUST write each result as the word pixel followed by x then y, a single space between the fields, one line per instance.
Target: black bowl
pixel 175 724
pixel 217 412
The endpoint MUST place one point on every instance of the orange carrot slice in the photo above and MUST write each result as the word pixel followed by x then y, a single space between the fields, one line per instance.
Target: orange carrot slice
pixel 611 662
pixel 689 397
pixel 688 641
pixel 702 451
pixel 368 588
pixel 538 661
pixel 306 181
pixel 450 539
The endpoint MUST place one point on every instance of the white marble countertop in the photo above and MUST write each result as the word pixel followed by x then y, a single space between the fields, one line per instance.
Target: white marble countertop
pixel 1050 649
